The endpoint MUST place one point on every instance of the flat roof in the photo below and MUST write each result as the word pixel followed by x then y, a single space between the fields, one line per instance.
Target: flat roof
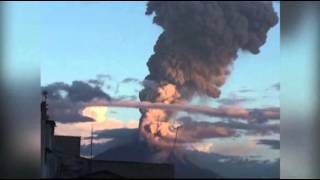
pixel 62 136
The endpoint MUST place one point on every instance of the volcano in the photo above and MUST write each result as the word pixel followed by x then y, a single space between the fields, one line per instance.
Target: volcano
pixel 141 152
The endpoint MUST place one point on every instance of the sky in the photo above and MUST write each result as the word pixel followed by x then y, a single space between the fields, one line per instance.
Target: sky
pixel 81 41
pixel 93 38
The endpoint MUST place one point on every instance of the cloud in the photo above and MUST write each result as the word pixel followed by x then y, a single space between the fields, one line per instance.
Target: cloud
pixel 191 132
pixel 150 84
pixel 132 81
pixel 246 90
pixel 126 97
pixel 81 91
pixel 274 144
pixel 66 111
pixel 108 87
pixel 129 80
pixel 251 127
pixel 116 91
pixel 83 129
pixel 78 91
pixel 65 101
pixel 229 166
pixel 104 76
pixel 233 100
pixel 275 86
pixel 100 80
pixel 194 131
pixel 96 82
pixel 236 148
pixel 226 111
pixel 202 147
pixel 188 52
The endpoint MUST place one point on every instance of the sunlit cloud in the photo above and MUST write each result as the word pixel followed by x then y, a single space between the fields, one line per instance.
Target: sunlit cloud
pixel 98 113
pixel 202 147
pixel 102 122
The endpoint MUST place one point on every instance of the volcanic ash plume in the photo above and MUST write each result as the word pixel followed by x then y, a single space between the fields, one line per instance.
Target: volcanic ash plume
pixel 195 53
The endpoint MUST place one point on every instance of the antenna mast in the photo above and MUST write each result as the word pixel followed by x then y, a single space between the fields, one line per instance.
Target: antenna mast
pixel 91 142
pixel 91 148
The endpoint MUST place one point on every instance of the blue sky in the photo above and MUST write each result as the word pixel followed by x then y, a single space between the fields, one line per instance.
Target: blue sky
pixel 79 40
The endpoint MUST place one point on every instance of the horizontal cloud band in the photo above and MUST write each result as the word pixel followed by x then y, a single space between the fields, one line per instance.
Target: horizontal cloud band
pixel 232 112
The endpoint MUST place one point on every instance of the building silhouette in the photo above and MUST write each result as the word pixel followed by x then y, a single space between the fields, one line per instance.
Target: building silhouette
pixel 60 158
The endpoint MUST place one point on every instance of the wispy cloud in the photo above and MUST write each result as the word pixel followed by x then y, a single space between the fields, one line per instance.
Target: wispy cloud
pixel 234 101
pixel 126 97
pixel 246 90
pixel 275 86
pixel 104 76
pixel 129 80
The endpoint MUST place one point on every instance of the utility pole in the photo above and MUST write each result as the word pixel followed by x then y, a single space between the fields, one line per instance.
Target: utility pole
pixel 91 142
pixel 175 139
pixel 91 149
pixel 44 118
pixel 177 127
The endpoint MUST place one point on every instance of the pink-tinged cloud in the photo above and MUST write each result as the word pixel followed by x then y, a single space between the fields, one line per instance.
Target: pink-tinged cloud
pixel 226 111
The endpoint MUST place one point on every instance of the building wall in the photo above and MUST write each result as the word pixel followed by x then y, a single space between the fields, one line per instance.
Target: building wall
pixel 67 145
pixel 130 169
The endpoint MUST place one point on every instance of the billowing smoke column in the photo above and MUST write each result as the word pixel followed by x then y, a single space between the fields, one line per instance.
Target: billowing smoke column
pixel 195 53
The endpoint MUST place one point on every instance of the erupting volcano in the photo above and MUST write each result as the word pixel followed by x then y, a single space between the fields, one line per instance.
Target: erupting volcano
pixel 195 55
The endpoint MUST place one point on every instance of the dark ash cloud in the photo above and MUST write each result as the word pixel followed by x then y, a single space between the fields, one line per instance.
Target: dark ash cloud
pixel 196 50
pixel 201 38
